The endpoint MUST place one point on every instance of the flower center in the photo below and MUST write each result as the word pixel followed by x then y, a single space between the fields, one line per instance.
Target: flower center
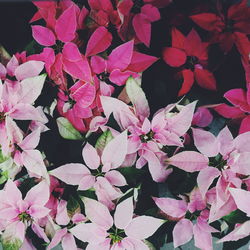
pixel 97 172
pixel 147 137
pixel 72 102
pixel 191 62
pixel 218 162
pixel 58 46
pixel 116 235
pixel 2 116
pixel 104 76
pixel 229 27
pixel 24 217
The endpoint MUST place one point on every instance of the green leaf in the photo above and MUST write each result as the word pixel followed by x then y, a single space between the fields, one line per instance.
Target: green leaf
pixel 137 96
pixel 2 157
pixel 10 239
pixel 103 140
pixel 149 245
pixel 4 177
pixel 67 131
pixel 13 244
pixel 33 48
pixel 131 174
pixel 236 216
pixel 73 206
pixel 88 193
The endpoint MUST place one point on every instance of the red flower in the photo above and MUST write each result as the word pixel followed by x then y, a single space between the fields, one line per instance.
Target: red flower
pixel 229 28
pixel 189 53
pixel 137 18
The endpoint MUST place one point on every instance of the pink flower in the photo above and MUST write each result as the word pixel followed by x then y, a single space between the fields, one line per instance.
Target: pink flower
pixel 184 229
pixel 16 103
pixel 240 231
pixel 121 232
pixel 62 28
pixel 26 155
pixel 63 20
pixel 147 138
pixel 20 213
pixel 231 160
pixel 62 234
pixel 20 72
pixel 100 173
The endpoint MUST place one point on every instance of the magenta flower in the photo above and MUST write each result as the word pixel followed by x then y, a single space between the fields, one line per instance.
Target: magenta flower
pixel 241 109
pixel 118 71
pixel 76 105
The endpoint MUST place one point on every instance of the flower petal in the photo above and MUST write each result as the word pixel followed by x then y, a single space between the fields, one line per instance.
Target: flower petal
pixel 139 227
pixel 124 213
pixel 189 161
pixel 90 156
pixel 183 232
pixel 124 53
pixel 174 57
pixel 142 27
pixel 238 233
pixel 205 179
pixel 33 161
pixel 242 199
pixel 89 232
pixel 205 78
pixel 43 35
pixel 98 213
pixel 66 25
pixel 39 194
pixel 30 69
pixel 205 142
pixel 116 150
pixel 99 41
pixel 172 207
pixel 71 173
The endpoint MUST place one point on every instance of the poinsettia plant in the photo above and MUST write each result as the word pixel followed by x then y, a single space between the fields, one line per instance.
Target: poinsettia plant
pixel 125 125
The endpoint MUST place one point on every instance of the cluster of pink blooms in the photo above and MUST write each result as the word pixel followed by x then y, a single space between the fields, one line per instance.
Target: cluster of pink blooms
pixel 86 65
